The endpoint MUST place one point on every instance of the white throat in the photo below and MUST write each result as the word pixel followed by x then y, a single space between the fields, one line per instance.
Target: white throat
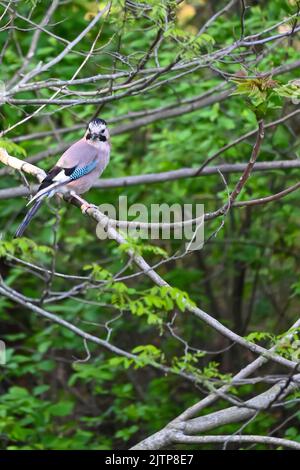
pixel 96 143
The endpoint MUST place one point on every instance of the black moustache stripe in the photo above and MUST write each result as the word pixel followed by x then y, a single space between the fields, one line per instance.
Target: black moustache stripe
pixel 102 138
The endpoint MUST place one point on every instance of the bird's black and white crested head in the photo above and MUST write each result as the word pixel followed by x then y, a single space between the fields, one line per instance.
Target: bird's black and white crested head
pixel 97 130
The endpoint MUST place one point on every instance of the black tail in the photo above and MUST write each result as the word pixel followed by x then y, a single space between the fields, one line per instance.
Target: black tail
pixel 30 214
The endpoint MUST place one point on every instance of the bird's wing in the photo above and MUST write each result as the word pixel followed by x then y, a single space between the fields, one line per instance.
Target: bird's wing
pixel 79 160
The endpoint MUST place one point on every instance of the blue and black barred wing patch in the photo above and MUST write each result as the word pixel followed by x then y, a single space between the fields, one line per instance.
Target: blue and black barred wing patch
pixel 79 172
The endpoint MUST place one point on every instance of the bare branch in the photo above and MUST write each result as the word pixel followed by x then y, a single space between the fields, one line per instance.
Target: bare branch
pixel 158 280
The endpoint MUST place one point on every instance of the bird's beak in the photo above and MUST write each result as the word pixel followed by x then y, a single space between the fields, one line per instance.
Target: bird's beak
pixel 94 136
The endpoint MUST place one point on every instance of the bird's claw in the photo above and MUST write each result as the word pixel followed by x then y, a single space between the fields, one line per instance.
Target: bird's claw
pixel 85 207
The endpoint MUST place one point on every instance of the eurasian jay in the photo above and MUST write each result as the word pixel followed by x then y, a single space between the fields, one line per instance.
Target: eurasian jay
pixel 76 170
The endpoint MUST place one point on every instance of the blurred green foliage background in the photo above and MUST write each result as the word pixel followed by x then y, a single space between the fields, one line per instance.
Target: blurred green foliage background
pixel 246 276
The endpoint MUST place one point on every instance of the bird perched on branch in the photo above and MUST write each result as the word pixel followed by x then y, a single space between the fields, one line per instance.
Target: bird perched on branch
pixel 76 170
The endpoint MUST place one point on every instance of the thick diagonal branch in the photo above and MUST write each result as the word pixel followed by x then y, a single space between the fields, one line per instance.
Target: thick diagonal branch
pixel 154 276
